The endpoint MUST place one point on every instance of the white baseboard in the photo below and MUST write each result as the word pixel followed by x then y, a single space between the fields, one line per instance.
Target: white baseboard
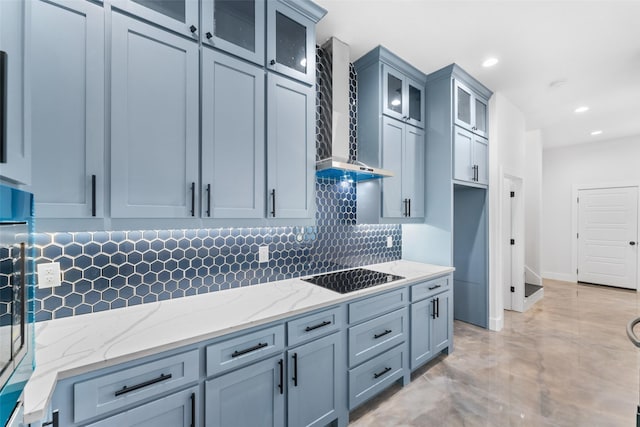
pixel 529 302
pixel 496 324
pixel 559 276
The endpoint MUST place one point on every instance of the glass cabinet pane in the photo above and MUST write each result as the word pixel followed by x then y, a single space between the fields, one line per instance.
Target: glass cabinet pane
pixel 175 9
pixel 235 22
pixel 464 105
pixel 415 103
pixel 291 43
pixel 481 116
pixel 394 93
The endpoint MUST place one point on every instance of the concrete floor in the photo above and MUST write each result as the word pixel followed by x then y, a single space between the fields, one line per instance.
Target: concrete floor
pixel 565 362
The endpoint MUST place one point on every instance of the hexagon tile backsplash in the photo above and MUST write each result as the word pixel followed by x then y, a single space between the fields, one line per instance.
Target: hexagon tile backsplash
pixel 107 270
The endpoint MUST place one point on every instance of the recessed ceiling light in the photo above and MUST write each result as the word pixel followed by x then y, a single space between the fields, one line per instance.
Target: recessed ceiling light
pixel 490 62
pixel 581 109
pixel 596 132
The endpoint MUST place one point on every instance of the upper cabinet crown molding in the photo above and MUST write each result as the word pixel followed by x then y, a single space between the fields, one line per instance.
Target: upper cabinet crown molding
pixel 455 71
pixel 384 55
pixel 307 8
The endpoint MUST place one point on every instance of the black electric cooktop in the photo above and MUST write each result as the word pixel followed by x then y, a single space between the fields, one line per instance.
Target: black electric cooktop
pixel 352 280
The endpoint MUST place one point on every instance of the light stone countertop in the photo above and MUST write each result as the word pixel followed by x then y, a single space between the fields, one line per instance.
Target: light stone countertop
pixel 80 344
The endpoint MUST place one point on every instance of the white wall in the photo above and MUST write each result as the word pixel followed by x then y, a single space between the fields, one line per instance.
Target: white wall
pixel 614 161
pixel 533 204
pixel 507 141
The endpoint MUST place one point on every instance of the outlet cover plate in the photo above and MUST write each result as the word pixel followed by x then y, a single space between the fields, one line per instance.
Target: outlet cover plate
pixel 49 275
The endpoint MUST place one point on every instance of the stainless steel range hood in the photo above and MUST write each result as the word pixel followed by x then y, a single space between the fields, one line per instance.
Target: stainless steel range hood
pixel 338 166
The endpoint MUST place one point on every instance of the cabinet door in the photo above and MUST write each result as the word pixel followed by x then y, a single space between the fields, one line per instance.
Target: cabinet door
pixel 154 122
pixel 480 159
pixel 394 97
pixel 415 103
pixel 481 117
pixel 463 106
pixel 440 331
pixel 235 26
pixel 66 53
pixel 413 171
pixel 290 148
pixel 393 133
pixel 177 15
pixel 17 163
pixel 463 155
pixel 421 342
pixel 252 396
pixel 291 39
pixel 176 410
pixel 233 153
pixel 313 382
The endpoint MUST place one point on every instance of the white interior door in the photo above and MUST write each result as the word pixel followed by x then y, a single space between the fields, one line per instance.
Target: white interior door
pixel 608 236
pixel 507 248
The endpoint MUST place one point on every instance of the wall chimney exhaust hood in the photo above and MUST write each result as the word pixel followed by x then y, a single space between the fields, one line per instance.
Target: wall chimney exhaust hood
pixel 338 166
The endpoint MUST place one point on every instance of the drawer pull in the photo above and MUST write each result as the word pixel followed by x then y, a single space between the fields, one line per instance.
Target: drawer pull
pixel 319 325
pixel 249 350
pixel 434 287
pixel 125 389
pixel 381 334
pixel 381 373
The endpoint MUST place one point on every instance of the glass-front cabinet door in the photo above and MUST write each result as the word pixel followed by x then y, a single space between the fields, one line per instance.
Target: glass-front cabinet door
pixel 178 15
pixel 235 26
pixel 290 42
pixel 393 94
pixel 481 116
pixel 463 106
pixel 415 101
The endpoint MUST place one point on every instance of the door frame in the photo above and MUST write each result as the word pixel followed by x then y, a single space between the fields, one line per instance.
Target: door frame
pixel 574 219
pixel 517 232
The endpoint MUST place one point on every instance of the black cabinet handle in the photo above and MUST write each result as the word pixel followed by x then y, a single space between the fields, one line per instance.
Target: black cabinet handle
pixel 193 410
pixel 409 208
pixel 404 203
pixel 438 307
pixel 632 243
pixel 193 28
pixel 433 308
pixel 381 334
pixel 281 384
pixel 319 325
pixel 434 287
pixel 3 107
pixel 208 199
pixel 93 195
pixel 295 369
pixel 193 199
pixel 272 62
pixel 381 373
pixel 54 420
pixel 125 389
pixel 273 202
pixel 249 350
pixel 209 35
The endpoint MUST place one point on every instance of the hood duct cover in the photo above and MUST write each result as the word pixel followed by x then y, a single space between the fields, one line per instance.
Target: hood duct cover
pixel 336 146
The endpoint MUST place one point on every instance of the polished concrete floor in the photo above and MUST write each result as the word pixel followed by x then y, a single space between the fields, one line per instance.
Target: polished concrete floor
pixel 565 362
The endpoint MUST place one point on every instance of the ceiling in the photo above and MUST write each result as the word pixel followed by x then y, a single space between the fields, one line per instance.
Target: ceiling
pixel 593 46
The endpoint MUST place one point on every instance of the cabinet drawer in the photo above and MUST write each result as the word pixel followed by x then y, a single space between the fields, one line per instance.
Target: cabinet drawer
pixel 372 377
pixel 313 326
pixel 371 338
pixel 423 290
pixel 372 307
pixel 239 351
pixel 113 391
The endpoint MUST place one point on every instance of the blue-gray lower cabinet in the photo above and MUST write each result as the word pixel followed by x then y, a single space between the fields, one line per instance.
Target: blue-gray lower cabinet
pixel 430 328
pixel 251 396
pixel 154 121
pixel 315 374
pixel 176 410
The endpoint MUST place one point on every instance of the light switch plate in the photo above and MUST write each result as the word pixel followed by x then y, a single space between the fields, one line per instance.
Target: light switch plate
pixel 389 241
pixel 263 254
pixel 49 275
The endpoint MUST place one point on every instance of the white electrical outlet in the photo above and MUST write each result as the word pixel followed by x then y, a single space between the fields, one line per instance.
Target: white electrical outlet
pixel 389 241
pixel 49 275
pixel 263 254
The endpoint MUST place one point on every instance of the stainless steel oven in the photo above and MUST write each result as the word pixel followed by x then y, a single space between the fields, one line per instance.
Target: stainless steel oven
pixel 16 297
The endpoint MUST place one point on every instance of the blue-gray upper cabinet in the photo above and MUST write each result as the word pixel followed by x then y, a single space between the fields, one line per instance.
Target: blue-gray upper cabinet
pixel 402 97
pixel 291 38
pixel 237 27
pixel 154 122
pixel 470 109
pixel 180 16
pixel 470 153
pixel 16 166
pixel 251 396
pixel 233 137
pixel 403 153
pixel 290 148
pixel 314 377
pixel 66 55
